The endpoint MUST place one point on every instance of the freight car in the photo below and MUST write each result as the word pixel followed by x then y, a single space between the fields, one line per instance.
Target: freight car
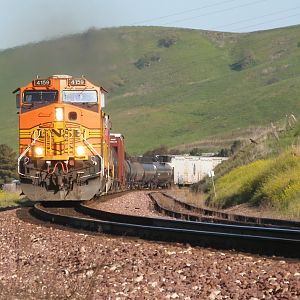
pixel 66 151
pixel 148 175
pixel 136 174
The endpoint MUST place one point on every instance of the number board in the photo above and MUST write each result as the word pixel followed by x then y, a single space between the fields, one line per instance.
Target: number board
pixel 76 81
pixel 41 82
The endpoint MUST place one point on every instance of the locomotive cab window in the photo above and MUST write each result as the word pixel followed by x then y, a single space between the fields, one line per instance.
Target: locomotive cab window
pixel 40 96
pixel 80 96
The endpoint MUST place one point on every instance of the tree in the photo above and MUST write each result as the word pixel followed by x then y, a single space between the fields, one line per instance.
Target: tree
pixel 157 151
pixel 8 164
pixel 196 152
pixel 235 147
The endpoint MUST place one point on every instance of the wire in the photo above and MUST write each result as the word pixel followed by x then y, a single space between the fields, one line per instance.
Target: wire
pixel 251 19
pixel 215 12
pixel 182 12
pixel 196 56
pixel 271 21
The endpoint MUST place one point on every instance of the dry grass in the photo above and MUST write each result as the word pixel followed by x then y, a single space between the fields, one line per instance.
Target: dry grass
pixel 226 140
pixel 8 199
pixel 186 195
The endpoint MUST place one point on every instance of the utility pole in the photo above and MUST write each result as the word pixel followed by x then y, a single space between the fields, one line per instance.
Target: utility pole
pixel 211 174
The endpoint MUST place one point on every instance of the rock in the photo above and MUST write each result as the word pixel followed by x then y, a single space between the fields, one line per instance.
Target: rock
pixel 214 294
pixel 139 278
pixel 89 273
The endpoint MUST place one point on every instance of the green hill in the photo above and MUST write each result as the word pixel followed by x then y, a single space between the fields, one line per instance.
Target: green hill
pixel 167 85
pixel 263 174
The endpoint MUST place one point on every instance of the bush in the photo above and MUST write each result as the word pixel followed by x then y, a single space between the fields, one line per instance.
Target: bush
pixel 157 151
pixel 146 61
pixel 8 164
pixel 142 63
pixel 196 152
pixel 166 43
pixel 247 61
pixel 226 152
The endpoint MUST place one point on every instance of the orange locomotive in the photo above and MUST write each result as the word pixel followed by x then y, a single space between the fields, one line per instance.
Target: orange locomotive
pixel 64 139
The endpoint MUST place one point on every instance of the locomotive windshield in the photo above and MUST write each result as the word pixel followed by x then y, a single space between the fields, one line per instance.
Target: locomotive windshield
pixel 80 96
pixel 40 96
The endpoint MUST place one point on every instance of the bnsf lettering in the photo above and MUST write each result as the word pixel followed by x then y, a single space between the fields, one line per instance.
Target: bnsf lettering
pixel 60 132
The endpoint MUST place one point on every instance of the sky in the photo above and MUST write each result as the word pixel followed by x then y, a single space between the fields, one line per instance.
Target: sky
pixel 27 21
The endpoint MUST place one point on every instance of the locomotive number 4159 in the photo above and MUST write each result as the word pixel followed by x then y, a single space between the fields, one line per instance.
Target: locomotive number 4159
pixel 76 81
pixel 42 82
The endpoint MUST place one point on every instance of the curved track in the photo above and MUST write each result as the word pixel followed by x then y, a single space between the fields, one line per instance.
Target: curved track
pixel 262 240
pixel 179 209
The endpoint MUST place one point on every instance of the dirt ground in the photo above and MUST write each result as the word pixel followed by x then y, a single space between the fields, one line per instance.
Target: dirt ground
pixel 40 261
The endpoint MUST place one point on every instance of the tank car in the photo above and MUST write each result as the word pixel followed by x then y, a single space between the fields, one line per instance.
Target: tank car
pixel 148 175
pixel 164 174
pixel 135 174
pixel 64 139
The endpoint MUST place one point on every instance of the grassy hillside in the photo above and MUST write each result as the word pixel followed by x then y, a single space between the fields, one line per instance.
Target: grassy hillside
pixel 269 182
pixel 265 173
pixel 166 85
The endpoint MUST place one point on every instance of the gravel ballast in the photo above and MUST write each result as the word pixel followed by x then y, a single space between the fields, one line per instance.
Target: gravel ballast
pixel 43 262
pixel 136 203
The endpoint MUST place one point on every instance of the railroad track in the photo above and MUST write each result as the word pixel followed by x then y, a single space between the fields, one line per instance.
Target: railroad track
pixel 261 240
pixel 173 207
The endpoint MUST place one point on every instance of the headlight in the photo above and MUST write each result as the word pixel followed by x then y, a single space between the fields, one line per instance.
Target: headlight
pixel 80 151
pixel 59 114
pixel 39 151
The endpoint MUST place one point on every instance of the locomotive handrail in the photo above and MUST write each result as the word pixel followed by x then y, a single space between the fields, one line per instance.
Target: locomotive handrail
pixel 95 151
pixel 26 151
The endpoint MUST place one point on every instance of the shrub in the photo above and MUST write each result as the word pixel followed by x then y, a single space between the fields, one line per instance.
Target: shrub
pixel 142 63
pixel 196 152
pixel 166 43
pixel 246 61
pixel 146 61
pixel 8 164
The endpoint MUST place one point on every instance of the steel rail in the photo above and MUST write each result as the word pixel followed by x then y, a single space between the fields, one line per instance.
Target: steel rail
pixel 232 217
pixel 8 208
pixel 191 225
pixel 198 217
pixel 256 240
pixel 173 213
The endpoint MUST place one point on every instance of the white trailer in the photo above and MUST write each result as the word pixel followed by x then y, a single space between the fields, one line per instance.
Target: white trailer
pixel 191 169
